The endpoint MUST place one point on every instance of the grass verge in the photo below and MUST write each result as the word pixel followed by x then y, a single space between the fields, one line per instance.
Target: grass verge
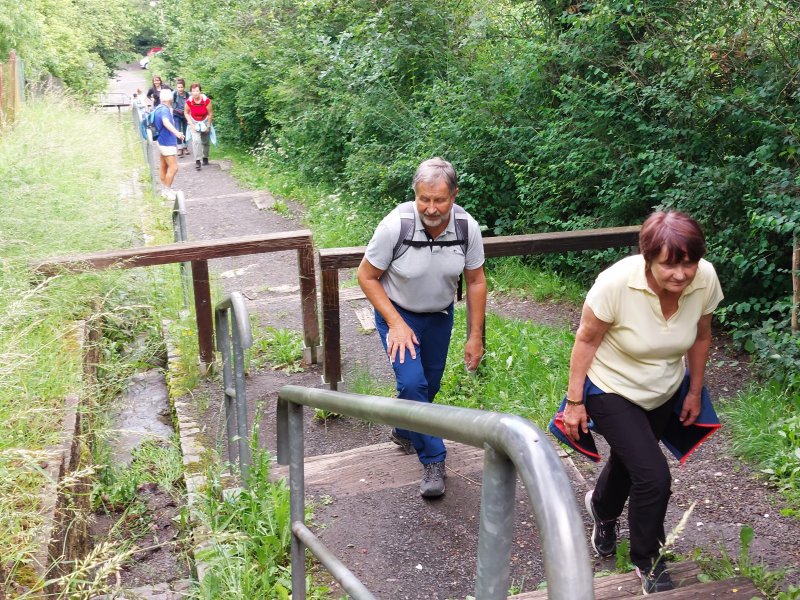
pixel 523 372
pixel 58 196
pixel 249 538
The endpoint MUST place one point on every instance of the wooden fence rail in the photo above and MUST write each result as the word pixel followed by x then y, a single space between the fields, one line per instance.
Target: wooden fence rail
pixel 199 253
pixel 333 259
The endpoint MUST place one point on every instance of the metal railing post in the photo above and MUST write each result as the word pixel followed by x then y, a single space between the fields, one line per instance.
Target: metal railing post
pixel 497 525
pixel 181 234
pixel 297 498
pixel 151 162
pixel 224 347
pixel 241 401
pixel 232 312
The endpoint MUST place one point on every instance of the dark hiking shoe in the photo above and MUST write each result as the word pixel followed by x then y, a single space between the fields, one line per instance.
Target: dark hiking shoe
pixel 197 165
pixel 656 579
pixel 205 160
pixel 604 533
pixel 432 484
pixel 404 443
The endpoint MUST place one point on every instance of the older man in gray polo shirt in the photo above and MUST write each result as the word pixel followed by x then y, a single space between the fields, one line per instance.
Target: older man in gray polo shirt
pixel 411 282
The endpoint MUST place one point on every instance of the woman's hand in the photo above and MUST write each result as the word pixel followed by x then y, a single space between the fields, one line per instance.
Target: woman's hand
pixel 691 408
pixel 575 420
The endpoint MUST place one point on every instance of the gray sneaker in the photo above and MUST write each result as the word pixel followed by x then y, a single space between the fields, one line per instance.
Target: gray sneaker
pixel 404 443
pixel 432 484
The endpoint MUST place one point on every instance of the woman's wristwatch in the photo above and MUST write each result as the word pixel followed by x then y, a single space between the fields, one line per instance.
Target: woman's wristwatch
pixel 574 402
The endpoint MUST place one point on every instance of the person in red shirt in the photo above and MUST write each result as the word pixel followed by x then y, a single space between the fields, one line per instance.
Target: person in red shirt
pixel 198 116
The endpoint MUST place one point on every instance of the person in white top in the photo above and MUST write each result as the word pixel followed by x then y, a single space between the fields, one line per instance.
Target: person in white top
pixel 411 282
pixel 643 315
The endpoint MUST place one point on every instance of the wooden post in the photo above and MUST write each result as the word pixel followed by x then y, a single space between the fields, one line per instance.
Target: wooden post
pixel 2 93
pixel 795 281
pixel 202 309
pixel 12 71
pixel 332 364
pixel 308 301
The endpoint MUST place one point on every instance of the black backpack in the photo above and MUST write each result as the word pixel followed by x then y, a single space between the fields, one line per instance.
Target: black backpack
pixel 404 240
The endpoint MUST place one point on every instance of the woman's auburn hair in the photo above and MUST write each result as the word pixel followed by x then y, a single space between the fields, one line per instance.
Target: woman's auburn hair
pixel 674 231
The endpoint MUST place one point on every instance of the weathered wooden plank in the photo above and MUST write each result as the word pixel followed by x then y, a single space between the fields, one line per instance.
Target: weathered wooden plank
pixel 512 245
pixel 331 329
pixel 380 466
pixel 740 588
pixel 202 309
pixel 626 585
pixel 308 301
pixel 561 241
pixel 129 258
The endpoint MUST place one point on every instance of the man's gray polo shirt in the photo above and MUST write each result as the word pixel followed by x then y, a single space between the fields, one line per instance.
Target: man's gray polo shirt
pixel 423 279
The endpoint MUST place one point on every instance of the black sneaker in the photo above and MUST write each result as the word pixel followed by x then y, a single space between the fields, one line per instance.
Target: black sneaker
pixel 604 533
pixel 432 484
pixel 656 579
pixel 404 443
pixel 197 165
pixel 205 160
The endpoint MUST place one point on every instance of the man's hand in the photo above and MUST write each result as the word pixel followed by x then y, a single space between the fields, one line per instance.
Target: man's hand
pixel 473 352
pixel 399 339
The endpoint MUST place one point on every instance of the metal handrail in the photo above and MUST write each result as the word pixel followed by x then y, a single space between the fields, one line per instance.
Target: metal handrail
pixel 232 342
pixel 181 233
pixel 512 445
pixel 148 147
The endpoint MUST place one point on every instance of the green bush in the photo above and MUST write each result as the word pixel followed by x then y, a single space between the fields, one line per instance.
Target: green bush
pixel 557 116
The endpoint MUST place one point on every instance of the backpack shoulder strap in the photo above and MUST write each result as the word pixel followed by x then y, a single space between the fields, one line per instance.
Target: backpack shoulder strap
pixel 462 226
pixel 406 210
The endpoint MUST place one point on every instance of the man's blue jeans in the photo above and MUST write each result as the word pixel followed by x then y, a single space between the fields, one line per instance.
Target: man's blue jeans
pixel 420 378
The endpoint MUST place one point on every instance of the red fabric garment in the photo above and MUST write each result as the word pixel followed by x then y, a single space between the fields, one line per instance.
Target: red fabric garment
pixel 199 111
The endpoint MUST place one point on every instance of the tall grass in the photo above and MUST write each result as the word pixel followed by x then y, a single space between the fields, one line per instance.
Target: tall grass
pixel 765 425
pixel 61 172
pixel 523 372
pixel 248 547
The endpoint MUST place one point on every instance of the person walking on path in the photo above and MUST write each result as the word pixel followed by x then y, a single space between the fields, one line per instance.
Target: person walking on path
pixel 168 136
pixel 199 115
pixel 179 98
pixel 154 93
pixel 640 318
pixel 411 280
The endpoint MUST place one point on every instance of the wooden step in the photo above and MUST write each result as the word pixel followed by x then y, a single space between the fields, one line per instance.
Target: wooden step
pixel 380 466
pixel 684 576
pixel 740 587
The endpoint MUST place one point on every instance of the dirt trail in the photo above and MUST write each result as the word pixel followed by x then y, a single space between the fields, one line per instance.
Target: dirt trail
pixel 402 546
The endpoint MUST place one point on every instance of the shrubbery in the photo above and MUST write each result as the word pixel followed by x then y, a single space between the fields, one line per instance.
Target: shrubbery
pixel 557 115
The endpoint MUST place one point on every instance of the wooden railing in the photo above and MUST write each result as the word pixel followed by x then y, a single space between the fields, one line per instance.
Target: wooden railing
pixel 333 259
pixel 199 253
pixel 12 87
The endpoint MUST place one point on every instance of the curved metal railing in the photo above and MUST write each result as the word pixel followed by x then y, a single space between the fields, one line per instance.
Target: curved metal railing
pixel 181 233
pixel 233 337
pixel 512 445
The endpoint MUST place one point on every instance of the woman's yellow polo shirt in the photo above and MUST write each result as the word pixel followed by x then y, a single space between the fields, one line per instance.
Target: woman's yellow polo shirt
pixel 641 355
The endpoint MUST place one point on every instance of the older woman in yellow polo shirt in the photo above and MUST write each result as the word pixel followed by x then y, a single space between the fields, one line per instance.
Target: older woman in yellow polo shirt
pixel 641 317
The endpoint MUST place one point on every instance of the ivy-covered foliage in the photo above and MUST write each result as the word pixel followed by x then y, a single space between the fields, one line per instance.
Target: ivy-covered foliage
pixel 557 114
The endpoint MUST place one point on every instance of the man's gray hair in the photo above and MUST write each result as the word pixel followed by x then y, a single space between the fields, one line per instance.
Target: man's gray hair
pixel 436 169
